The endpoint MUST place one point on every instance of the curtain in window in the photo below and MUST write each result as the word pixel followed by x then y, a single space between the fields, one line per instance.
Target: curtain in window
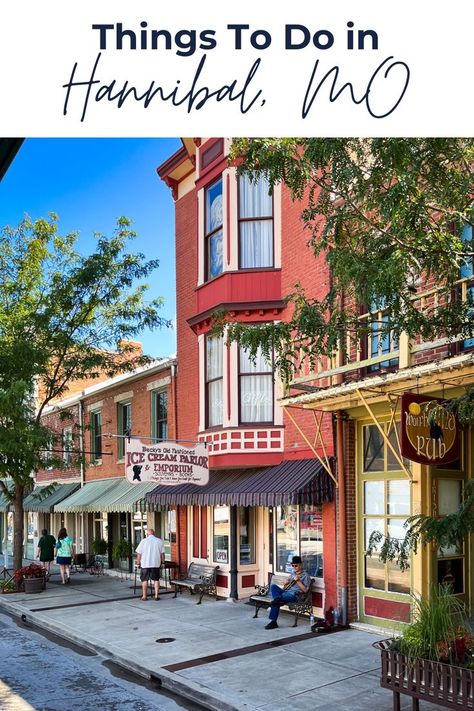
pixel 256 236
pixel 214 354
pixel 256 388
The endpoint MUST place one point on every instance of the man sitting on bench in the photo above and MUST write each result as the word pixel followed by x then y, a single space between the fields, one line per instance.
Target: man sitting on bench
pixel 297 584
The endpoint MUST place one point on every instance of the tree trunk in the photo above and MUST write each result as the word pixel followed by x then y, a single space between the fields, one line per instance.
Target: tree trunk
pixel 18 527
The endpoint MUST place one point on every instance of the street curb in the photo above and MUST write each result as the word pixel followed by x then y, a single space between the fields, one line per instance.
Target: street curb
pixel 166 679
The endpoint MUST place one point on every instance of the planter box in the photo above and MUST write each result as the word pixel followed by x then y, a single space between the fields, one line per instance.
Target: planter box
pixel 437 682
pixel 34 585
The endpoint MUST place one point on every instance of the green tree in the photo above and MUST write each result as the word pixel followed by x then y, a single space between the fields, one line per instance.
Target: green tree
pixel 388 215
pixel 64 317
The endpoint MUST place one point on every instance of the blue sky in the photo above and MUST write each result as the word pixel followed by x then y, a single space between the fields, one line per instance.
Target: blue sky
pixel 89 182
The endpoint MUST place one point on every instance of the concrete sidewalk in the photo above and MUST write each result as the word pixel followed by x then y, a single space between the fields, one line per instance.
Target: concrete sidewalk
pixel 214 653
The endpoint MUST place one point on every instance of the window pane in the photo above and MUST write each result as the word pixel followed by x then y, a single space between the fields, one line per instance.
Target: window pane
pixel 451 572
pixel 247 535
pixel 221 534
pixel 257 365
pixel 215 254
pixel 214 206
pixel 371 525
pixel 286 536
pixel 256 244
pixel 254 198
pixel 215 403
pixel 392 463
pixel 256 398
pixel 374 572
pixel 449 496
pixel 311 539
pixel 373 449
pixel 396 528
pixel 374 497
pixel 398 581
pixel 398 497
pixel 466 268
pixel 214 358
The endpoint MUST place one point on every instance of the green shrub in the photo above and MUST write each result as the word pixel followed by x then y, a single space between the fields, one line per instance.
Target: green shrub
pixel 99 546
pixel 122 550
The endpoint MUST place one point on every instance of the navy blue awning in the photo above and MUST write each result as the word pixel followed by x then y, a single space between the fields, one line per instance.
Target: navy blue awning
pixel 298 481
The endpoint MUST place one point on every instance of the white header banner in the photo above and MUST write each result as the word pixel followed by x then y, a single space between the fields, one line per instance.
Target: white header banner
pixel 166 463
pixel 349 68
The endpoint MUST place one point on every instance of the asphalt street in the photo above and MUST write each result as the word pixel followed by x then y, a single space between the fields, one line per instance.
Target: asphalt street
pixel 43 673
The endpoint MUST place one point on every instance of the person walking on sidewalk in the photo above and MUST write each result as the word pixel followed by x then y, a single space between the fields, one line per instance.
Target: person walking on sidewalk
pixel 64 554
pixel 150 557
pixel 297 584
pixel 45 550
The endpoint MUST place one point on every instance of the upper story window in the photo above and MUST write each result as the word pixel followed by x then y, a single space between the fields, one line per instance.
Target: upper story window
pixel 256 388
pixel 67 445
pixel 159 415
pixel 213 229
pixel 96 435
pixel 255 224
pixel 214 382
pixel 124 418
pixel 381 341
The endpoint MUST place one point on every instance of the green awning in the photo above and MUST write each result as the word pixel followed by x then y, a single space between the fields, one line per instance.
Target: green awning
pixel 133 499
pixel 85 499
pixel 112 495
pixel 6 504
pixel 34 502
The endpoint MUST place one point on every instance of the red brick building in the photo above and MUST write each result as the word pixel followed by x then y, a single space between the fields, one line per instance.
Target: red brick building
pixel 241 250
pixel 94 500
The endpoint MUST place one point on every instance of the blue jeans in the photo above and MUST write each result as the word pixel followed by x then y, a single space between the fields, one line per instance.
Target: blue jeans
pixel 280 597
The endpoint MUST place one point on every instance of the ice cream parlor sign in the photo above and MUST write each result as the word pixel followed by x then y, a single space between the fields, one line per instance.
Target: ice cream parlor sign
pixel 429 431
pixel 166 463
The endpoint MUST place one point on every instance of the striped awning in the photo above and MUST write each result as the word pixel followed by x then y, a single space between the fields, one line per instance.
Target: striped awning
pixel 45 504
pixel 85 498
pixel 112 495
pixel 302 481
pixel 5 503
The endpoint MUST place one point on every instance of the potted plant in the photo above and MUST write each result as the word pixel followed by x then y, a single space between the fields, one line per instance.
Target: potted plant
pixel 122 550
pixel 99 546
pixel 433 659
pixel 30 578
pixel 8 586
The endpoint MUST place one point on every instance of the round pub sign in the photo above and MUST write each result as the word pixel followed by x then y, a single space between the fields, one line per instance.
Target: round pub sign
pixel 425 439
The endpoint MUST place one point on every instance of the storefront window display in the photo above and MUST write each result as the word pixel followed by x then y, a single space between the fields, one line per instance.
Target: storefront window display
pixel 247 535
pixel 299 532
pixel 139 527
pixel 221 533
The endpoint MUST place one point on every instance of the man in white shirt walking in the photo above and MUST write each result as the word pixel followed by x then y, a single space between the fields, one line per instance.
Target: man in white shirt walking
pixel 150 557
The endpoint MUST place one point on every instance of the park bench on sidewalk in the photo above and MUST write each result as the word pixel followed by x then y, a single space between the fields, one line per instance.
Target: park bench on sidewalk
pixel 200 579
pixel 302 606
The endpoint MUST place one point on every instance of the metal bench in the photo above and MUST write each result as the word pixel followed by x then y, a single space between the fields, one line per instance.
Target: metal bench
pixel 302 606
pixel 200 579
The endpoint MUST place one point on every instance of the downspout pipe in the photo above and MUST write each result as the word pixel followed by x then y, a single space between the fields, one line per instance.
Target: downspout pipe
pixel 342 520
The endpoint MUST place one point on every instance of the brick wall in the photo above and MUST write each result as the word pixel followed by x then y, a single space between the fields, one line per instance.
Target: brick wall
pixel 351 522
pixel 186 280
pixel 57 425
pixel 141 421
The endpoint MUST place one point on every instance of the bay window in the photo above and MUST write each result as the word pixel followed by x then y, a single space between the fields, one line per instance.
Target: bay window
pixel 213 229
pixel 256 388
pixel 214 381
pixel 255 224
